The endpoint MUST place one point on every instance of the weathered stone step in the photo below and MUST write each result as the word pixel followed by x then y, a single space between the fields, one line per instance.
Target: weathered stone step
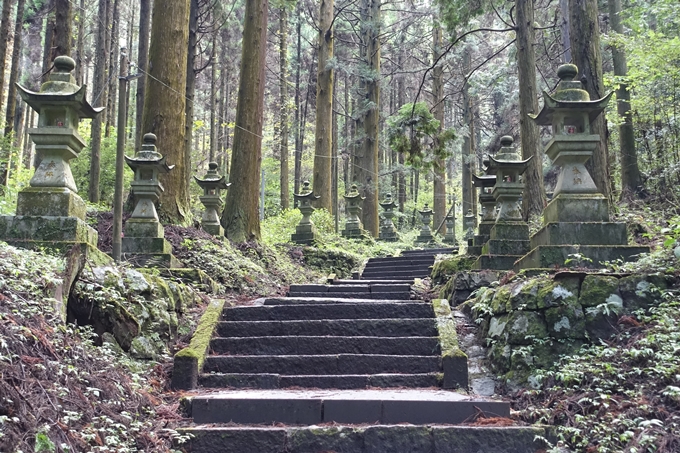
pixel 401 259
pixel 366 439
pixel 375 310
pixel 374 296
pixel 399 265
pixel 343 381
pixel 326 300
pixel 434 251
pixel 357 286
pixel 391 406
pixel 315 345
pixel 412 273
pixel 322 364
pixel 337 327
pixel 372 282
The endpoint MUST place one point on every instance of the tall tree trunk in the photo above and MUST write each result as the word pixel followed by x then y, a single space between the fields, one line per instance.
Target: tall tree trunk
pixel 366 167
pixel 284 193
pixel 62 31
pixel 4 40
pixel 142 63
pixel 191 74
pixel 467 157
pixel 631 183
pixel 213 101
pixel 165 103
pixel 533 200
pixel 47 48
pixel 99 100
pixel 585 49
pixel 223 139
pixel 323 140
pixel 240 218
pixel 564 31
pixel 114 39
pixel 80 44
pixel 401 96
pixel 12 92
pixel 297 122
pixel 439 205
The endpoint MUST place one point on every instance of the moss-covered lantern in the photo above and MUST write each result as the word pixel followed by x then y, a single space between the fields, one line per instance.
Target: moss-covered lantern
pixel 305 232
pixel 353 201
pixel 212 184
pixel 425 231
pixel 388 232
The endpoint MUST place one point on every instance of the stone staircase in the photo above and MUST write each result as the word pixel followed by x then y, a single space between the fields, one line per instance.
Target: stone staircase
pixel 353 366
pixel 411 264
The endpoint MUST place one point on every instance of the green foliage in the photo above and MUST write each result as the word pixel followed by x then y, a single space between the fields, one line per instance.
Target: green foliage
pixel 412 129
pixel 457 13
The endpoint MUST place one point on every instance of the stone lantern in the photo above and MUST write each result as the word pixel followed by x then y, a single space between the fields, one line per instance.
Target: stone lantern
pixel 144 243
pixel 212 184
pixel 485 184
pixel 425 232
pixel 509 235
pixel 450 219
pixel 469 227
pixel 388 232
pixel 576 221
pixel 353 200
pixel 305 232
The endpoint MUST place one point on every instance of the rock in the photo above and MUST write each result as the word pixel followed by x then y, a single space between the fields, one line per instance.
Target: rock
pixel 641 291
pixel 484 386
pixel 597 289
pixel 524 326
pixel 108 276
pixel 558 292
pixel 143 348
pixel 136 283
pixel 524 294
pixel 567 321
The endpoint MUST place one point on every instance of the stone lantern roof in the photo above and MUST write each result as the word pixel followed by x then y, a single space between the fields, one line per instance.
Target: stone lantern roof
pixel 61 90
pixel 388 202
pixel 569 96
pixel 149 157
pixel 353 193
pixel 306 193
pixel 507 158
pixel 212 179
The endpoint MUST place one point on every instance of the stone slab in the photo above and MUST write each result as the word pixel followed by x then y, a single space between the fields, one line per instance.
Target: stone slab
pixel 144 228
pixel 354 327
pixel 496 262
pixel 577 208
pixel 249 440
pixel 506 247
pixel 352 411
pixel 327 300
pixel 50 202
pixel 552 256
pixel 307 411
pixel 239 380
pixel 376 296
pixel 467 439
pixel 510 230
pixel 145 245
pixel 47 229
pixel 583 233
pixel 375 310
pixel 162 260
pixel 402 439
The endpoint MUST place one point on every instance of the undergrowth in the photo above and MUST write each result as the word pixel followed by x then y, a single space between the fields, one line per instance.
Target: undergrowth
pixel 59 392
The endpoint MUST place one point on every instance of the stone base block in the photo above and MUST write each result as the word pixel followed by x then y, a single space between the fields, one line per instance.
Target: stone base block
pixel 424 238
pixel 480 239
pixel 474 250
pixel 583 233
pixel 506 247
pixel 163 260
pixel 304 238
pixel 50 202
pixel 510 230
pixel 47 229
pixel 484 228
pixel 496 262
pixel 577 208
pixel 353 233
pixel 144 228
pixel 555 256
pixel 144 245
pixel 388 236
pixel 450 240
pixel 214 229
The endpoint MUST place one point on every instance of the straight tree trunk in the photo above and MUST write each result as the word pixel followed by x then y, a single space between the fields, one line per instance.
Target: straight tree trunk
pixel 297 127
pixel 142 63
pixel 114 39
pixel 323 140
pixel 191 74
pixel 223 140
pixel 4 40
pixel 100 75
pixel 283 105
pixel 533 200
pixel 62 31
pixel 213 102
pixel 401 95
pixel 585 49
pixel 564 31
pixel 366 167
pixel 240 218
pixel 466 166
pixel 80 44
pixel 439 205
pixel 164 106
pixel 47 48
pixel 631 183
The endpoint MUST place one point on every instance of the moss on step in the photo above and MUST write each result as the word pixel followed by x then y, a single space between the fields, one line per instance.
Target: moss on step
pixel 454 360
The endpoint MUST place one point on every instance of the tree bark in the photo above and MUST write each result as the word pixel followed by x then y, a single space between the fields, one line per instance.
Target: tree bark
pixel 533 200
pixel 191 74
pixel 114 39
pixel 80 44
pixel 466 166
pixel 4 40
pixel 366 166
pixel 213 101
pixel 631 183
pixel 439 205
pixel 564 31
pixel 99 100
pixel 240 217
pixel 323 140
pixel 585 49
pixel 164 105
pixel 297 129
pixel 62 31
pixel 142 63
pixel 284 193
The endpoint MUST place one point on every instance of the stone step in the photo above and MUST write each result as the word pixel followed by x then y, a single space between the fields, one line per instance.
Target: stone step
pixel 391 406
pixel 357 287
pixel 496 262
pixel 337 327
pixel 309 345
pixel 433 251
pixel 322 364
pixel 374 296
pixel 389 274
pixel 372 282
pixel 327 300
pixel 399 264
pixel 364 439
pixel 343 381
pixel 400 261
pixel 371 310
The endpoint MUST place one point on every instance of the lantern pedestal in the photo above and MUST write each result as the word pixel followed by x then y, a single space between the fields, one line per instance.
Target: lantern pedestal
pixel 388 232
pixel 425 235
pixel 212 184
pixel 305 231
pixel 353 227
